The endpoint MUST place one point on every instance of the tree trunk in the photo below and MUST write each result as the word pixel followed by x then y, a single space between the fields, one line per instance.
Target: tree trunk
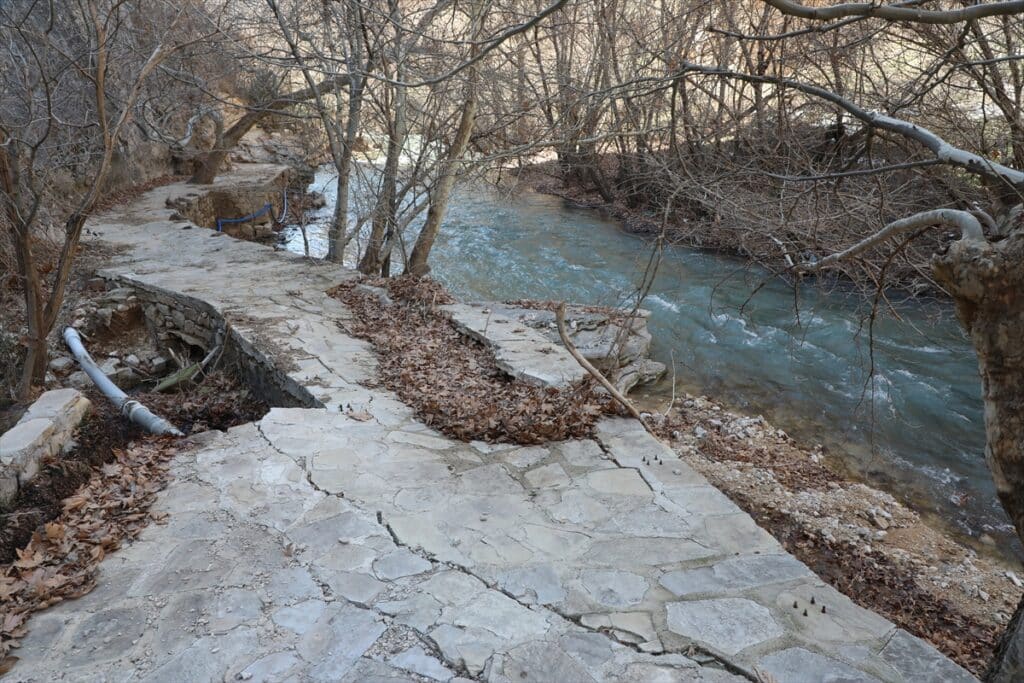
pixel 34 368
pixel 339 236
pixel 986 281
pixel 1007 664
pixel 443 189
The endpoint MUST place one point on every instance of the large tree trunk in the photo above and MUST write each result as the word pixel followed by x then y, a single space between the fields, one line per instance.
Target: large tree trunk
pixel 1007 664
pixel 986 281
pixel 34 368
pixel 449 168
pixel 443 189
pixel 210 164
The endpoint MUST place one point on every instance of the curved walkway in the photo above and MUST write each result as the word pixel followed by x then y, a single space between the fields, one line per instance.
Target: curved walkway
pixel 343 540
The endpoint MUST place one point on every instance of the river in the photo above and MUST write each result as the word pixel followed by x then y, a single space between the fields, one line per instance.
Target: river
pixel 803 359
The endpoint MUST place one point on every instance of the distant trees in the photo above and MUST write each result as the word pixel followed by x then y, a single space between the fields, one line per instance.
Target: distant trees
pixel 70 79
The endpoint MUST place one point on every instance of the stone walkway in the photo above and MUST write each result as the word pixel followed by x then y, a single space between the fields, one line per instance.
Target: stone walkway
pixel 342 540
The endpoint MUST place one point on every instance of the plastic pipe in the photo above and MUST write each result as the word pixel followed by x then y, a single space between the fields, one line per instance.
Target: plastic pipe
pixel 133 410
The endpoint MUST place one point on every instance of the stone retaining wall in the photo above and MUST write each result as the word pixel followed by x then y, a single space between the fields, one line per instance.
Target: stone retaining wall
pixel 175 319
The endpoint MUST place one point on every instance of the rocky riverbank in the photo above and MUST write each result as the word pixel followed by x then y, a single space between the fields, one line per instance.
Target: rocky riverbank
pixel 862 540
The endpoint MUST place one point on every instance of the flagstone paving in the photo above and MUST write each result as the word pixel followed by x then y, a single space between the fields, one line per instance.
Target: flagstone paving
pixel 340 539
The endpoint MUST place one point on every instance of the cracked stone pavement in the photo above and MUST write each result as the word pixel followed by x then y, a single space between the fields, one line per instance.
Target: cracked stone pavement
pixel 313 546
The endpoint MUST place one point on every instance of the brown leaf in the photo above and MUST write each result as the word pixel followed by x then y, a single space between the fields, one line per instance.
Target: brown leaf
pixel 27 559
pixel 7 663
pixel 54 531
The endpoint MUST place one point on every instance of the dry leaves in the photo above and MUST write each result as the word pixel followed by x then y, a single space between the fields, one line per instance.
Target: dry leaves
pixel 59 563
pixel 453 382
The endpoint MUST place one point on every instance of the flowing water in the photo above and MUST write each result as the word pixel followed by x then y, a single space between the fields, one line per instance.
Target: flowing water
pixel 804 359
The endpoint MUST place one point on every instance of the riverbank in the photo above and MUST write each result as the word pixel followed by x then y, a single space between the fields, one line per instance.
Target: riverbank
pixel 698 227
pixel 882 554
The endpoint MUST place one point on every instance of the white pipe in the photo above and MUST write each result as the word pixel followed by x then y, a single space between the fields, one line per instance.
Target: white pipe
pixel 133 410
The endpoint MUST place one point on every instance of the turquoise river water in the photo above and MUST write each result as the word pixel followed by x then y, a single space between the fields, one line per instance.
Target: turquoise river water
pixel 913 426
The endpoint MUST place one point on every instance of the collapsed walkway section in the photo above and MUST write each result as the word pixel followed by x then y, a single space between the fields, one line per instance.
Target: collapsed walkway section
pixel 339 538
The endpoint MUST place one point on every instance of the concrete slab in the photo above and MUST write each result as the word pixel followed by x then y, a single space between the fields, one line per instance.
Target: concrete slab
pixel 380 550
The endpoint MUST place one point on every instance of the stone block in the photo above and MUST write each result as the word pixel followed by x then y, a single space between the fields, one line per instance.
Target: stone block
pixel 728 625
pixel 62 365
pixel 917 660
pixel 799 664
pixel 734 574
pixel 44 430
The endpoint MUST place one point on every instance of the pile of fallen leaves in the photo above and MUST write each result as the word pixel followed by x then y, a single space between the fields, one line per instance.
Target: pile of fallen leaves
pixel 218 402
pixel 452 381
pixel 60 561
pixel 59 476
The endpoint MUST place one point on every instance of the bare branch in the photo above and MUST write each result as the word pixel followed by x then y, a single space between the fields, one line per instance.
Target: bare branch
pixel 970 229
pixel 900 14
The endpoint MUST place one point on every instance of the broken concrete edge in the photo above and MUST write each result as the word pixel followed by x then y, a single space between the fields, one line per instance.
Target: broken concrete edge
pixel 46 429
pixel 204 206
pixel 527 345
pixel 630 446
pixel 520 351
pixel 195 322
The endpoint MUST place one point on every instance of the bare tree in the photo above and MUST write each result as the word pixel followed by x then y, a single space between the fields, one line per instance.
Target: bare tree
pixel 70 82
pixel 984 274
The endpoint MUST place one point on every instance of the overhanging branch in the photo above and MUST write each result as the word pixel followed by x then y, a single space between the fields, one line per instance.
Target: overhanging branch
pixel 896 13
pixel 943 151
pixel 969 225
